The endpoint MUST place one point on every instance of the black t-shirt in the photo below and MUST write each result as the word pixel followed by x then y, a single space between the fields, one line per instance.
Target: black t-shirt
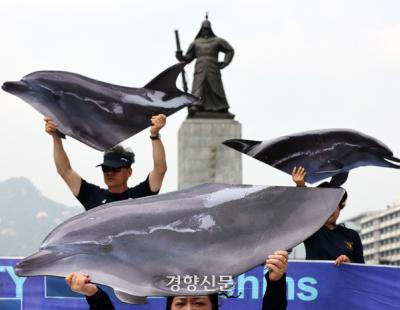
pixel 91 196
pixel 328 244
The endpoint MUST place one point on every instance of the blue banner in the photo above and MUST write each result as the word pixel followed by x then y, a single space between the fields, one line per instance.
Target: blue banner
pixel 310 285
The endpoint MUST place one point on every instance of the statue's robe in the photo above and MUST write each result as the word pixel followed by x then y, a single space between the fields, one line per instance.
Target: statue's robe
pixel 207 82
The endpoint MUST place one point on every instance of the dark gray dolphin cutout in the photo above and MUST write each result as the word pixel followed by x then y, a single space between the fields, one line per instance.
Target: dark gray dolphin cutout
pixel 209 229
pixel 323 153
pixel 98 114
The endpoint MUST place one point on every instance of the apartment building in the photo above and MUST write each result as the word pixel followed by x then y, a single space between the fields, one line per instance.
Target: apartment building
pixel 380 235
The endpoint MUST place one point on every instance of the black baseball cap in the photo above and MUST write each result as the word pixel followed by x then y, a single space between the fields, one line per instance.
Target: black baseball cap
pixel 116 160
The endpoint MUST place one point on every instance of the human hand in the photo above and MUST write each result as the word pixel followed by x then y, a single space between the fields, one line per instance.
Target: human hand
pixel 80 283
pixel 342 259
pixel 158 122
pixel 50 127
pixel 299 176
pixel 277 265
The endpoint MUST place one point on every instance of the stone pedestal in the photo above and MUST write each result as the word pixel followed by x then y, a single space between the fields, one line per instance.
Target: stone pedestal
pixel 202 158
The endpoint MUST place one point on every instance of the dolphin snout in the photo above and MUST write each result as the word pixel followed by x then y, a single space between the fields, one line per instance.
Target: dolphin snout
pixel 30 265
pixel 15 87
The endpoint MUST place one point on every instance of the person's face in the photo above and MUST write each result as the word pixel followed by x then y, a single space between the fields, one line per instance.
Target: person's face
pixel 191 303
pixel 334 216
pixel 116 177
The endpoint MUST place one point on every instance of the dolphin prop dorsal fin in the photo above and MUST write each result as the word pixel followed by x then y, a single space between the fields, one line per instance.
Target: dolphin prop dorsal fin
pixel 166 80
pixel 130 299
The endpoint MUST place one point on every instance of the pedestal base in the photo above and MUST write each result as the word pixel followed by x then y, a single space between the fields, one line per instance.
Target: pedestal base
pixel 202 158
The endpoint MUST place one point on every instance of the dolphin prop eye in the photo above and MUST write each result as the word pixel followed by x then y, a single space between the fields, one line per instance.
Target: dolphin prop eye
pixel 329 153
pixel 79 104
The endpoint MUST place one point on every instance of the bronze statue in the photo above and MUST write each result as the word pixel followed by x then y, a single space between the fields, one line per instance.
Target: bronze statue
pixel 207 82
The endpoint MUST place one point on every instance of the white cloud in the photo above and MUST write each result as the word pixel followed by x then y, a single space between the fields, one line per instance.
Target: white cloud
pixel 42 215
pixel 7 232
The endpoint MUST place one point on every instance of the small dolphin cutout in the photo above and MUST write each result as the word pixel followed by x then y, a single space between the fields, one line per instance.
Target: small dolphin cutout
pixel 134 246
pixel 99 114
pixel 323 153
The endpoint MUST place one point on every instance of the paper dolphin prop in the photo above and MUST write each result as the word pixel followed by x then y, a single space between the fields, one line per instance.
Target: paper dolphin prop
pixel 209 229
pixel 323 153
pixel 96 113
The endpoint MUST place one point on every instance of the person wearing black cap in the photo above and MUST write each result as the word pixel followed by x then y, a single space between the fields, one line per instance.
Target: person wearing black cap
pixel 116 167
pixel 331 241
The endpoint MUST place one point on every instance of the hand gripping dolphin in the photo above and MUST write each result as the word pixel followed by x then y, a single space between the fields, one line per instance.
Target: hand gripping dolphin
pixel 133 246
pixel 98 114
pixel 323 153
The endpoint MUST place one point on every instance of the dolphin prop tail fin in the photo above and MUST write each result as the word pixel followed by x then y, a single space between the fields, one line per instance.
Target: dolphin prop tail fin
pixel 243 146
pixel 130 299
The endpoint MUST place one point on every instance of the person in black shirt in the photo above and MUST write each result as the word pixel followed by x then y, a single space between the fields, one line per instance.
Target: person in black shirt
pixel 116 170
pixel 331 241
pixel 274 297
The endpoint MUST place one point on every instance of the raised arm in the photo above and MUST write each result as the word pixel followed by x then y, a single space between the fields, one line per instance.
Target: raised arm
pixel 275 295
pixel 96 297
pixel 189 56
pixel 156 176
pixel 61 159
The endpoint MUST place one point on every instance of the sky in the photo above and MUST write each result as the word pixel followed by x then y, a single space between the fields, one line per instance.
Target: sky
pixel 298 65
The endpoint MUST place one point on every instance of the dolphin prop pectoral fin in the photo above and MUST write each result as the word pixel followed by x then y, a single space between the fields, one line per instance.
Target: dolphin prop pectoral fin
pixel 130 299
pixel 339 179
